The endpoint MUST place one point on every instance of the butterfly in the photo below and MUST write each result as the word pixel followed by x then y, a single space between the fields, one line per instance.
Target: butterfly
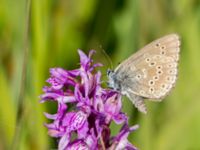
pixel 150 73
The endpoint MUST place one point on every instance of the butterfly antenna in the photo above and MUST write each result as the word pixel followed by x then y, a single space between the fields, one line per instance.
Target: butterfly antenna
pixel 108 58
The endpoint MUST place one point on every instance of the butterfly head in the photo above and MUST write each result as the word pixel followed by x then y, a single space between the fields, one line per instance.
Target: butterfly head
pixel 112 80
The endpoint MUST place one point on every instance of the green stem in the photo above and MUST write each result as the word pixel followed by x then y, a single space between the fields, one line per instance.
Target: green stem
pixel 19 117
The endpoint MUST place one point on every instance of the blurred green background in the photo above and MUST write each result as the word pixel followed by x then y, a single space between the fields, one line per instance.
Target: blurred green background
pixel 57 28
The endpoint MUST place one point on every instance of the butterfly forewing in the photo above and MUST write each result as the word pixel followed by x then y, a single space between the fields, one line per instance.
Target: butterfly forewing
pixel 152 71
pixel 168 45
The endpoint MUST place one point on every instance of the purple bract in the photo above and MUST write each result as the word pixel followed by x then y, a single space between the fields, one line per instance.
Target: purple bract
pixel 85 109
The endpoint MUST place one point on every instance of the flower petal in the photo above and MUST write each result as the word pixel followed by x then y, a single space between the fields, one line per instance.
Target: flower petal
pixel 66 99
pixel 64 142
pixel 51 116
pixel 78 120
pixel 78 145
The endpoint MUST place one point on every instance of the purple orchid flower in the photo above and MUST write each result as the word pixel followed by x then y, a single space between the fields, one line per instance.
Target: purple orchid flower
pixel 87 125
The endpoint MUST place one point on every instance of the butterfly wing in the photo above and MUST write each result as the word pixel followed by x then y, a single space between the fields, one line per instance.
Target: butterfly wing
pixel 168 45
pixel 152 71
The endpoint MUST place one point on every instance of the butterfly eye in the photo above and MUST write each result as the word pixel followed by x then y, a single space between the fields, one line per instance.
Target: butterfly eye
pixel 109 72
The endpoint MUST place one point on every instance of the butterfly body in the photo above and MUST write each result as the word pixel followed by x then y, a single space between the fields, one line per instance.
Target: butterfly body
pixel 150 73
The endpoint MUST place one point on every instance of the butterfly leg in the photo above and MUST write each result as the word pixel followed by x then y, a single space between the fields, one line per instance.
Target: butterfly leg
pixel 138 101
